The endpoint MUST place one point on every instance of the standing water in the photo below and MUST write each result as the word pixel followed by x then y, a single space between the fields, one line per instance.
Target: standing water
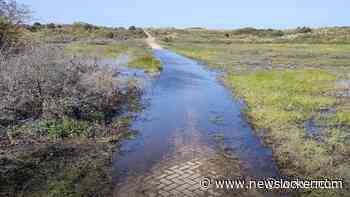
pixel 192 122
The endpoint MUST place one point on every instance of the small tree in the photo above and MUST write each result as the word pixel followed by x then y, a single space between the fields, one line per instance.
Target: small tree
pixel 16 13
pixel 12 16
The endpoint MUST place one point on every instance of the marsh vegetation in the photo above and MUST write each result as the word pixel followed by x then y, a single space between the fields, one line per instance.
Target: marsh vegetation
pixel 287 78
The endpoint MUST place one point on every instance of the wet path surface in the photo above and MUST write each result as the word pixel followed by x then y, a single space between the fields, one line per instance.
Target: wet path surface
pixel 192 128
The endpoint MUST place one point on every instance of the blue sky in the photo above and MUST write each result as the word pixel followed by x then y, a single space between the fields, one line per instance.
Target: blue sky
pixel 188 13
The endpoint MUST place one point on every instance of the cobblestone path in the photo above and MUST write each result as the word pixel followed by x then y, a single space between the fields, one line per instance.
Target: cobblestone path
pixel 179 174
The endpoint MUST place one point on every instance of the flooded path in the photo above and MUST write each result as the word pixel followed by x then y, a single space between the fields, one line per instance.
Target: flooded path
pixel 192 128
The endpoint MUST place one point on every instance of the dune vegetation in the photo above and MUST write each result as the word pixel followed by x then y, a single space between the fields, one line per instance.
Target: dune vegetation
pixel 295 85
pixel 62 114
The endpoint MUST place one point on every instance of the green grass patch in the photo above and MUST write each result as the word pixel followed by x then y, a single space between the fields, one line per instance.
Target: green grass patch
pixel 281 101
pixel 332 56
pixel 140 55
pixel 283 96
pixel 148 63
pixel 55 129
pixel 344 118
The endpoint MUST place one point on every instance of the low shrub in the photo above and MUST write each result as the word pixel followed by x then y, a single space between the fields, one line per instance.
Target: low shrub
pixel 303 30
pixel 43 82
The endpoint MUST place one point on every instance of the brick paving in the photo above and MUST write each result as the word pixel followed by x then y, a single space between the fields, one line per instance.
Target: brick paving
pixel 179 174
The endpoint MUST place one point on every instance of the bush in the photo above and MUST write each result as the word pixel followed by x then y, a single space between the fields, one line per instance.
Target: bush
pixel 167 39
pixel 303 30
pixel 109 34
pixel 277 33
pixel 132 28
pixel 36 27
pixel 9 33
pixel 51 26
pixel 84 26
pixel 43 82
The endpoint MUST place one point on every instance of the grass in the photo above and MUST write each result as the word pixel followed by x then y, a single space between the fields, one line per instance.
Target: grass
pixel 287 96
pixel 335 35
pixel 112 50
pixel 140 56
pixel 281 101
pixel 285 83
pixel 223 55
pixel 148 63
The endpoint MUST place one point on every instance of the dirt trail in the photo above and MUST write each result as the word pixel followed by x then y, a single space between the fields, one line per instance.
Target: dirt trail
pixel 151 41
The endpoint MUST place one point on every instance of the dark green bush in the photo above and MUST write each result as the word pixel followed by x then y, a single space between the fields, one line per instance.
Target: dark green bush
pixel 167 39
pixel 277 33
pixel 132 28
pixel 36 27
pixel 303 30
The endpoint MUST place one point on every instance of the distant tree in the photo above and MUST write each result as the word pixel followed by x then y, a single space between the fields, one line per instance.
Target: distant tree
pixel 51 26
pixel 35 27
pixel 304 30
pixel 37 24
pixel 132 28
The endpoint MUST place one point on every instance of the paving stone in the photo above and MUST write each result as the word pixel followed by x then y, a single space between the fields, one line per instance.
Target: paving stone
pixel 178 174
pixel 164 193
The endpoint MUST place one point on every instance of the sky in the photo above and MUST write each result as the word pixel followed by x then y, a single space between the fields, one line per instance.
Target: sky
pixel 218 14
